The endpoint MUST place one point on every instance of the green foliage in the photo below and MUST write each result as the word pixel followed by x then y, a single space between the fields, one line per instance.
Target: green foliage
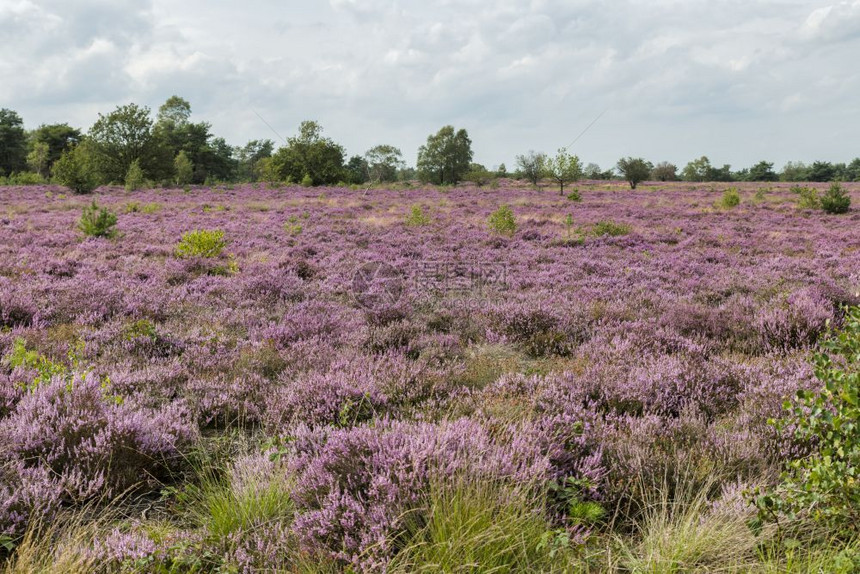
pixel 478 174
pixel 97 221
pixel 483 527
pixel 835 200
pixel 293 226
pixel 665 171
pixel 574 195
pixel 58 138
pixel 762 171
pixel 383 163
pixel 807 197
pixel 731 198
pixel 417 217
pixel 201 243
pixel 134 179
pixel 45 368
pixel 183 169
pixel 22 178
pixel 310 158
pixel 77 170
pixel 531 166
pixel 634 170
pixel 502 221
pixel 825 486
pixel 123 136
pixel 563 168
pixel 446 157
pixel 13 143
pixel 38 158
pixel 610 228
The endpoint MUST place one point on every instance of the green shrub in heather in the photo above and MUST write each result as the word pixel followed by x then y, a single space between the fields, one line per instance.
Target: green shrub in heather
pixel 201 243
pixel 731 198
pixel 502 221
pixel 97 221
pixel 417 217
pixel 835 200
pixel 824 487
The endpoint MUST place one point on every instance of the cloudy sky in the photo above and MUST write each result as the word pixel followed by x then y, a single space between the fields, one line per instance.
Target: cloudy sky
pixel 738 81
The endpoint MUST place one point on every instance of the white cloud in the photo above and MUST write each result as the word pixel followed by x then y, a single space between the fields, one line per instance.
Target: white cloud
pixel 679 78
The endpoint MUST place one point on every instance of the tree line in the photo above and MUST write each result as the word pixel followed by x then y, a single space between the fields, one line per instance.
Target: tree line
pixel 130 146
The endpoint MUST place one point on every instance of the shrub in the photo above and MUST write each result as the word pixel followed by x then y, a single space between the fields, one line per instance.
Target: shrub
pixel 602 228
pixel 417 217
pixel 808 197
pixel 134 179
pixel 824 486
pixel 502 221
pixel 201 243
pixel 574 195
pixel 731 198
pixel 835 200
pixel 307 181
pixel 93 443
pixel 76 170
pixel 97 221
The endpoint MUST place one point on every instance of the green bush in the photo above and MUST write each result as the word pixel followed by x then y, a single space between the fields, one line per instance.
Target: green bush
pixel 731 198
pixel 97 221
pixel 574 195
pixel 76 169
pixel 23 178
pixel 134 179
pixel 417 217
pixel 825 485
pixel 602 228
pixel 808 197
pixel 307 181
pixel 502 221
pixel 183 169
pixel 201 243
pixel 835 200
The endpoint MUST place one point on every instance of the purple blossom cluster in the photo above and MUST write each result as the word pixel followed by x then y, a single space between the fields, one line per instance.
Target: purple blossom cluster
pixel 605 359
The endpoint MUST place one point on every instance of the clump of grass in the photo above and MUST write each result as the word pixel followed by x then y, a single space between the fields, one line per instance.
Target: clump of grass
pixel 474 526
pixel 731 198
pixel 201 243
pixel 502 221
pixel 97 221
pixel 151 207
pixel 417 217
pixel 292 226
pixel 602 228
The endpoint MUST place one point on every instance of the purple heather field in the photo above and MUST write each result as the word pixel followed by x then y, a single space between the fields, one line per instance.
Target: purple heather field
pixel 370 354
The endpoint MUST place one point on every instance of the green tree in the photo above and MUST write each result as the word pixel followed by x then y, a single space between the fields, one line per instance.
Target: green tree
pixel 762 171
pixel 310 154
pixel 383 162
pixel 37 159
pixel 183 169
pixel 13 143
pixel 563 168
pixel 852 170
pixel 531 166
pixel 357 170
pixel 821 171
pixel 698 170
pixel 248 158
pixel 478 174
pixel 58 138
pixel 795 171
pixel 77 168
pixel 664 171
pixel 126 135
pixel 446 156
pixel 634 170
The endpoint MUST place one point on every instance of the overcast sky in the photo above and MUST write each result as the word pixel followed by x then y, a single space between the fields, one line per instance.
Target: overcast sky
pixel 739 81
